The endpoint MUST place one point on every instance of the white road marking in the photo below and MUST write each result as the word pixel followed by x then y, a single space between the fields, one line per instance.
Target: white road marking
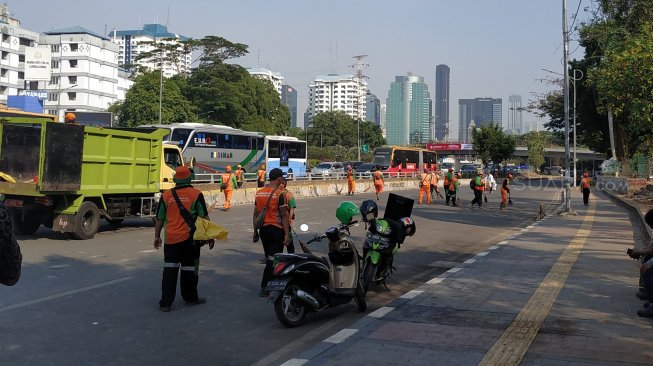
pixel 524 230
pixel 341 336
pixel 380 312
pixel 469 261
pixel 496 246
pixel 454 270
pixel 65 293
pixel 503 242
pixel 411 294
pixel 435 281
pixel 58 266
pixel 295 362
pixel 482 254
pixel 148 251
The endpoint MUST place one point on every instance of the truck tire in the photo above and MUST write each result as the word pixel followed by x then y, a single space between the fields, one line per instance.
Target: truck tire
pixel 87 221
pixel 27 225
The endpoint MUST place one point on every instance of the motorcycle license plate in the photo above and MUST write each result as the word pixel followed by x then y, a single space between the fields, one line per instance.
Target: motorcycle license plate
pixel 277 285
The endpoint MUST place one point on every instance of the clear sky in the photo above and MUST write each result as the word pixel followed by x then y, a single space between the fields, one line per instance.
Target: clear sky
pixel 494 48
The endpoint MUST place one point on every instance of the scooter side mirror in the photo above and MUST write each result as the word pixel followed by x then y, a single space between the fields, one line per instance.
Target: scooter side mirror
pixel 303 227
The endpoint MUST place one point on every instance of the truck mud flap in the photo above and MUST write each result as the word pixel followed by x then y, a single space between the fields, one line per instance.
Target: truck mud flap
pixel 63 223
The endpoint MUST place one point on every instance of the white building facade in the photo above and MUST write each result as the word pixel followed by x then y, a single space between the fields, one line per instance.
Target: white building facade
pixel 84 74
pixel 274 77
pixel 132 43
pixel 13 41
pixel 337 93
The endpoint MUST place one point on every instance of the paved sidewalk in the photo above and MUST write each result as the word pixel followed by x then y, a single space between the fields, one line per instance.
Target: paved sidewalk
pixel 560 292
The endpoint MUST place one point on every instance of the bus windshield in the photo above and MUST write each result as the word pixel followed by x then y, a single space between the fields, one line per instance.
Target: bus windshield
pixel 180 135
pixel 382 157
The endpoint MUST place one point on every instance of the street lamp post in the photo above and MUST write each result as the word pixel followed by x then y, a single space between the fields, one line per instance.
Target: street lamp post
pixel 59 96
pixel 574 79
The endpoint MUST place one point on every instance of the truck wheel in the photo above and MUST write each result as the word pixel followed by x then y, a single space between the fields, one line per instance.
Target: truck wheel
pixel 29 224
pixel 87 221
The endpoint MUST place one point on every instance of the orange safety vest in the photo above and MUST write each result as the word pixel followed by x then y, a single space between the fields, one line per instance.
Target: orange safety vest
pixel 261 175
pixel 350 175
pixel 378 177
pixel 226 178
pixel 177 230
pixel 585 182
pixel 239 175
pixel 452 185
pixel 272 215
pixel 426 180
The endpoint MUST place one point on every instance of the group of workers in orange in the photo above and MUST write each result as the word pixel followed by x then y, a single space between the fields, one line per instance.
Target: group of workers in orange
pixel 377 178
pixel 235 179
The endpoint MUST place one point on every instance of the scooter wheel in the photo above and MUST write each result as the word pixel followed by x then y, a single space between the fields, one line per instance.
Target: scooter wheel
pixel 369 271
pixel 290 310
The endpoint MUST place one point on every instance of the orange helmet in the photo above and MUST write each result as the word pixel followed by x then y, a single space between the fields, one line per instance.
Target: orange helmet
pixel 227 168
pixel 69 117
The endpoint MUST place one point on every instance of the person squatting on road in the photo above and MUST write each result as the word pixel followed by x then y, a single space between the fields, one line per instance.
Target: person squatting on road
pixel 491 185
pixel 275 228
pixel 240 176
pixel 228 184
pixel 351 181
pixel 180 250
pixel 10 256
pixel 377 178
pixel 646 271
pixel 434 184
pixel 585 188
pixel 260 176
pixel 478 186
pixel 448 177
pixel 425 187
pixel 505 191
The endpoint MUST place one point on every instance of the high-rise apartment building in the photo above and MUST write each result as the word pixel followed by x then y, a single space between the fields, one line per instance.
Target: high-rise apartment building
pixel 373 109
pixel 481 111
pixel 13 41
pixel 133 43
pixel 515 122
pixel 337 93
pixel 408 110
pixel 442 77
pixel 84 74
pixel 264 74
pixel 289 99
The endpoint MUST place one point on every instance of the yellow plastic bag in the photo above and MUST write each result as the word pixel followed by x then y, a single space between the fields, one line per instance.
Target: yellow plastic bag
pixel 206 230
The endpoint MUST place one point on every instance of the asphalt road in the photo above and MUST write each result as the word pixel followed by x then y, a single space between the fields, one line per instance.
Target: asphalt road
pixel 95 302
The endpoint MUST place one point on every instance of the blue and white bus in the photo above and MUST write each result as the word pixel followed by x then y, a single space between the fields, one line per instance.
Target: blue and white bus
pixel 213 147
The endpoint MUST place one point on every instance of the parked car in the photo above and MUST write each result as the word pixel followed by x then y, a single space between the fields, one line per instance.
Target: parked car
pixel 328 168
pixel 365 170
pixel 469 170
pixel 354 164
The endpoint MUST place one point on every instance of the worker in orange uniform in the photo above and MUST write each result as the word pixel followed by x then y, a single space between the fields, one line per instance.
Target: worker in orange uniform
pixel 425 186
pixel 228 184
pixel 240 175
pixel 452 189
pixel 505 192
pixel 377 178
pixel 434 184
pixel 260 177
pixel 69 118
pixel 585 188
pixel 351 181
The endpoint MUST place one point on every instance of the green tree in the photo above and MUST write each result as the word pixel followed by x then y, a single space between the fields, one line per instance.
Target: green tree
pixel 141 104
pixel 492 144
pixel 535 143
pixel 167 51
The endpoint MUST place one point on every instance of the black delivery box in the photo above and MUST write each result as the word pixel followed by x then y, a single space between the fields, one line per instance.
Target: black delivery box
pixel 398 207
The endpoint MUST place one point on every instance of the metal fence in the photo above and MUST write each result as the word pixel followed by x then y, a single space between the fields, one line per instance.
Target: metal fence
pixel 640 167
pixel 217 177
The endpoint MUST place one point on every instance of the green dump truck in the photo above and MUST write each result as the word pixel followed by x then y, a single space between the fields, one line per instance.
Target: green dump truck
pixel 68 177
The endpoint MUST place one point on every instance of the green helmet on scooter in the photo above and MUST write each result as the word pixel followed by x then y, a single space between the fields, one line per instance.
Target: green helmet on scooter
pixel 346 212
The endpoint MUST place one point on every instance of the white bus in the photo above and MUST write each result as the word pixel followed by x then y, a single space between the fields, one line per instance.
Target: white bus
pixel 213 147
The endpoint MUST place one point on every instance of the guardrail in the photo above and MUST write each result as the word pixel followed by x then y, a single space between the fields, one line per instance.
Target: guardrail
pixel 249 177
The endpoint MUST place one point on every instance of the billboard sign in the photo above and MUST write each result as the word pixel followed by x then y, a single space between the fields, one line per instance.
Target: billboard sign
pixel 41 94
pixel 448 147
pixel 37 64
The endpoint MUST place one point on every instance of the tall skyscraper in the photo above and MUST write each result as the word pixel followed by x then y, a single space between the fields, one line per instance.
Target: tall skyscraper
pixel 481 111
pixel 515 121
pixel 337 93
pixel 441 102
pixel 289 99
pixel 373 109
pixel 408 111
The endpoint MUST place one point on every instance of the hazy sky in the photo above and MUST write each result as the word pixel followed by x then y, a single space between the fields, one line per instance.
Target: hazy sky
pixel 494 48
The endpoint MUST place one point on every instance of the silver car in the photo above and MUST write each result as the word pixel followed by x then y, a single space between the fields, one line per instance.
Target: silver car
pixel 328 169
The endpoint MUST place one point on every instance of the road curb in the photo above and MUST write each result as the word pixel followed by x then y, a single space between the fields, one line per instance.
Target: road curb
pixel 648 233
